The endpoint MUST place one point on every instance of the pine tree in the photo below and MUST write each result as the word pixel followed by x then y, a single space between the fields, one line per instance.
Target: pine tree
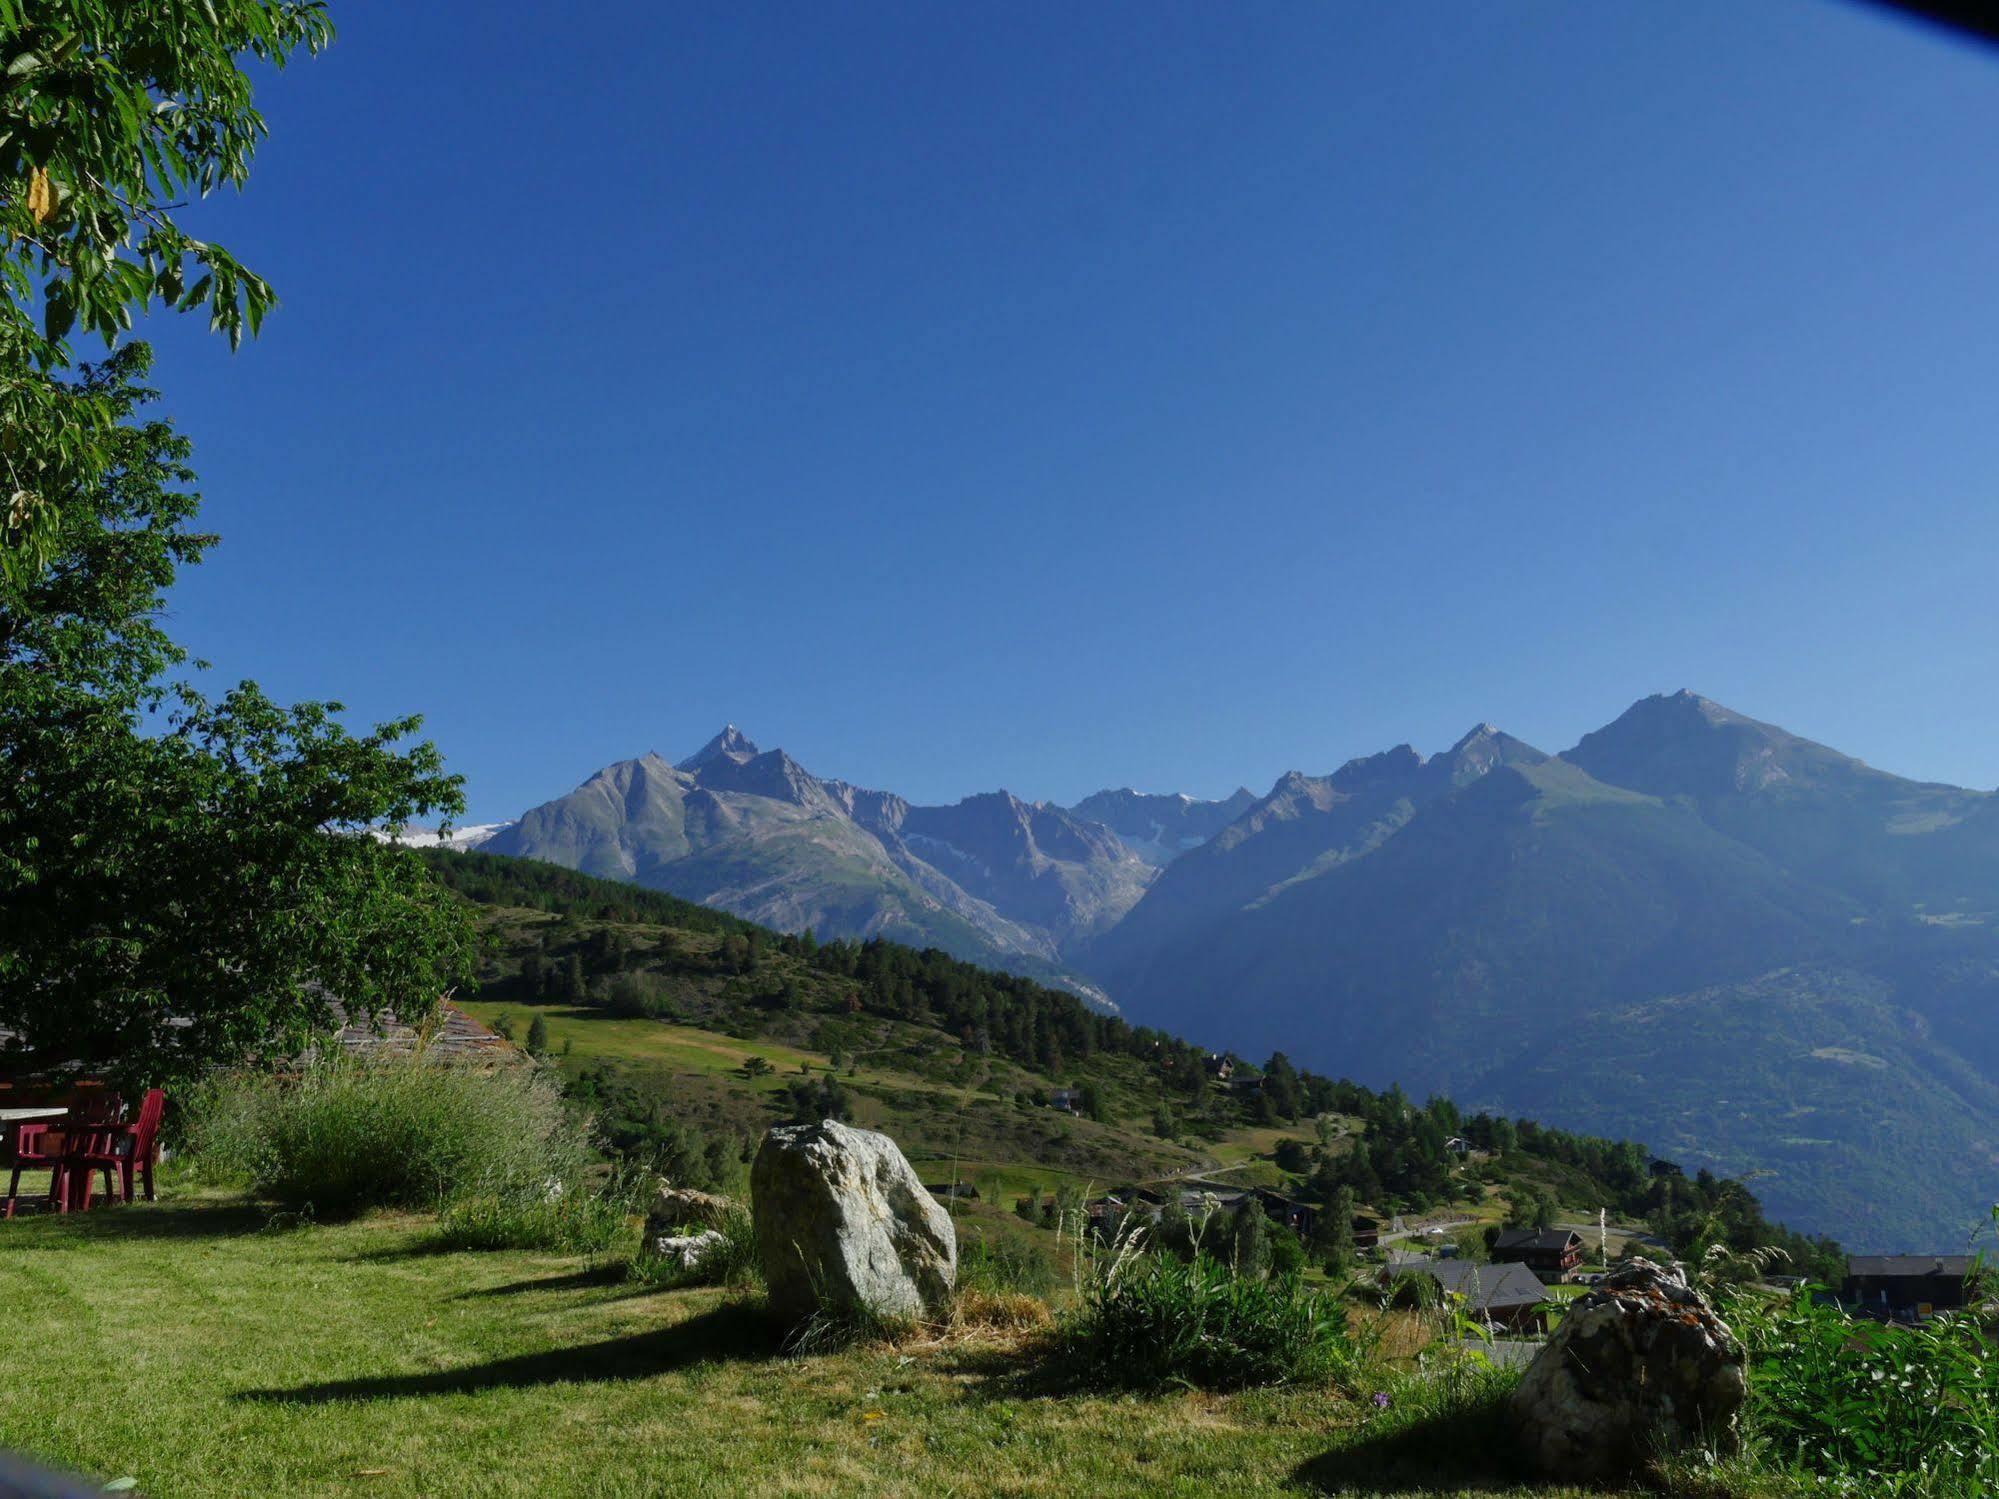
pixel 538 1035
pixel 1332 1232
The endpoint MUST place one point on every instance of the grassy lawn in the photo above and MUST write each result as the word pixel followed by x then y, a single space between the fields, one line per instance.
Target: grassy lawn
pixel 199 1349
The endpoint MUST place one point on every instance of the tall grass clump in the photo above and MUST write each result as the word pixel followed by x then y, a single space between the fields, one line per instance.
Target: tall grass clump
pixel 1876 1408
pixel 561 1217
pixel 1005 1268
pixel 733 1262
pixel 347 1135
pixel 1155 1320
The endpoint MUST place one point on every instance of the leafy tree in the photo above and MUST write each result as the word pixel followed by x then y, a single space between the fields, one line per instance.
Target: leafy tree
pixel 1531 1207
pixel 111 115
pixel 181 880
pixel 817 1098
pixel 1090 1101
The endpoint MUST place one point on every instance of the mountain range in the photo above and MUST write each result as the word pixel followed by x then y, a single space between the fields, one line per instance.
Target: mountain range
pixel 1748 949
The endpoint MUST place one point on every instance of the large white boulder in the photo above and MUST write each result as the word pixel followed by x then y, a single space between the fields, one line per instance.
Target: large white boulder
pixel 1640 1366
pixel 844 1225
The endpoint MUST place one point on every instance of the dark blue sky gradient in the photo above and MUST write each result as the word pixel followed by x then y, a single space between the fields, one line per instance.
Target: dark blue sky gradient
pixel 1054 396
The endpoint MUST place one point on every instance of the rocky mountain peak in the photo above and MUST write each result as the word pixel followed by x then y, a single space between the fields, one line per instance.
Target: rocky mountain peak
pixel 731 744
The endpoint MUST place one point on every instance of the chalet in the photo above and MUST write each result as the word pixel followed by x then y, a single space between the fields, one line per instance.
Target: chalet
pixel 1904 1286
pixel 1366 1231
pixel 1551 1253
pixel 1219 1066
pixel 953 1191
pixel 1296 1216
pixel 1458 1145
pixel 1501 1296
pixel 450 1035
pixel 1067 1099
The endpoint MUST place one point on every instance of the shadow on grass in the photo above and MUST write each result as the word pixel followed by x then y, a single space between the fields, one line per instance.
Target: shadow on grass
pixel 138 1220
pixel 611 1274
pixel 731 1332
pixel 1465 1450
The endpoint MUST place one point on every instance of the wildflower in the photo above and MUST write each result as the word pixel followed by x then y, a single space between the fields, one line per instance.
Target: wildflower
pixel 1381 1401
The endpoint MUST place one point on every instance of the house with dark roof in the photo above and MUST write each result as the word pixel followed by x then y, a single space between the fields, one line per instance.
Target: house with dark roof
pixel 1905 1286
pixel 1501 1296
pixel 1551 1253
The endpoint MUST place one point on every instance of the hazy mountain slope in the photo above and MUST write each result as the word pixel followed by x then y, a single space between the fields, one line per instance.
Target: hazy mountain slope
pixel 1831 818
pixel 1305 826
pixel 1818 1084
pixel 1159 829
pixel 1495 915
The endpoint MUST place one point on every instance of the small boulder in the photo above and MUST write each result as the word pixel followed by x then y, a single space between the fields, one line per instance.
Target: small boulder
pixel 687 1251
pixel 683 1207
pixel 844 1225
pixel 1640 1366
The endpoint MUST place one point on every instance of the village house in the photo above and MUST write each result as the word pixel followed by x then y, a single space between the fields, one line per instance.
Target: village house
pixel 1551 1253
pixel 1067 1099
pixel 1500 1296
pixel 1905 1286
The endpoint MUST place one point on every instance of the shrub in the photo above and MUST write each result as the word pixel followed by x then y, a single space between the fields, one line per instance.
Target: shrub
pixel 640 996
pixel 1150 1320
pixel 733 1262
pixel 1880 1408
pixel 1413 1291
pixel 1005 1268
pixel 572 1221
pixel 634 1120
pixel 350 1135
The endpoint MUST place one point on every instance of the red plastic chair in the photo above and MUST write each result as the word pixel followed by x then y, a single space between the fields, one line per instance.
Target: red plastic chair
pixel 137 1144
pixel 26 1153
pixel 126 1147
pixel 87 1144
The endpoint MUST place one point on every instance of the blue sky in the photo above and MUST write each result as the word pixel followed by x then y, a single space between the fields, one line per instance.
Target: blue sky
pixel 1057 396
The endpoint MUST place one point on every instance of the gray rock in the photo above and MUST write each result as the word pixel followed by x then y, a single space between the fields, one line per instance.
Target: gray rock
pixel 683 1207
pixel 843 1224
pixel 688 1250
pixel 1639 1367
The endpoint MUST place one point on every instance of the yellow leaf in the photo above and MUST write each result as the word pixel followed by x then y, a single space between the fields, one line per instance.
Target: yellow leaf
pixel 41 195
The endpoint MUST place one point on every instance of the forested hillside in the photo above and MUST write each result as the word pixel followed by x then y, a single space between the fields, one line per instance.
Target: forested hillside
pixel 691 1030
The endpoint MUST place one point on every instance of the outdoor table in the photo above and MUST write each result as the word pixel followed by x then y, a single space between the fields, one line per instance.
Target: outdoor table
pixel 25 1116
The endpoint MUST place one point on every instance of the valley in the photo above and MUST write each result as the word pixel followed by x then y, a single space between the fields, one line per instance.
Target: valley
pixel 1670 931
